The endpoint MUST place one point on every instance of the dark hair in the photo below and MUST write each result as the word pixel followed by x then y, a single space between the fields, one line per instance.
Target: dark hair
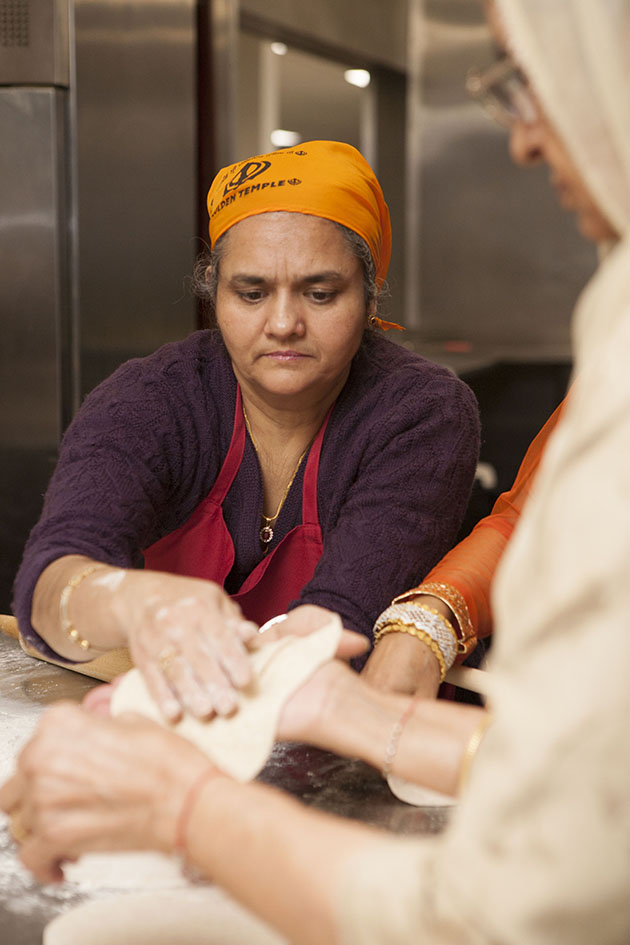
pixel 205 276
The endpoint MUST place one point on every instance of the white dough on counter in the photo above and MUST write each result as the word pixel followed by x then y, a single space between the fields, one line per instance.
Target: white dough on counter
pixel 241 744
pixel 181 917
pixel 127 870
pixel 417 795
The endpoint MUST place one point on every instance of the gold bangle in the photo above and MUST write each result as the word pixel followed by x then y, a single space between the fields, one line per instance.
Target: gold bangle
pixel 472 746
pixel 66 624
pixel 420 635
pixel 449 595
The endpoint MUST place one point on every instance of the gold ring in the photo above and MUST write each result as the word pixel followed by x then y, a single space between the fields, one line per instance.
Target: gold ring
pixel 166 657
pixel 17 828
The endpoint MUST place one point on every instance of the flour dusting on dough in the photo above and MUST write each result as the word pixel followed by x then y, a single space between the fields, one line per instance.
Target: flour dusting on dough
pixel 241 744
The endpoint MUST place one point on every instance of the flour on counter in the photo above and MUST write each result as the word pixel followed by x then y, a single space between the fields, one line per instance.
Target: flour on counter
pixel 180 917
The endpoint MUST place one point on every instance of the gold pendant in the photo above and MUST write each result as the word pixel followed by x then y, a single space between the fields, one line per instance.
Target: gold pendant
pixel 266 534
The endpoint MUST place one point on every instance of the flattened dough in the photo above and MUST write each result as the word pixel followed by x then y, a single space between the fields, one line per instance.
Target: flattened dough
pixel 241 744
pixel 418 796
pixel 180 917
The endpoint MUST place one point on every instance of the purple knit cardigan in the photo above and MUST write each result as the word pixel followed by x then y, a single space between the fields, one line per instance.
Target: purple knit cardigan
pixel 395 473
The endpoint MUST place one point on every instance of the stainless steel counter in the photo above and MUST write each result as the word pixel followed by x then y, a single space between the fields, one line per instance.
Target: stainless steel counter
pixel 321 779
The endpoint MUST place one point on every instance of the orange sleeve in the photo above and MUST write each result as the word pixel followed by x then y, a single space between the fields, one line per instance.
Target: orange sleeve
pixel 470 566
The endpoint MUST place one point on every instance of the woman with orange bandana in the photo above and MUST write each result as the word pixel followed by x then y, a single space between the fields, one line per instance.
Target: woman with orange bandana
pixel 290 459
pixel 537 851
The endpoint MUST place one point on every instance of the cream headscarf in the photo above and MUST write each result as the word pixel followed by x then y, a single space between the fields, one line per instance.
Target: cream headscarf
pixel 536 852
pixel 561 597
pixel 576 53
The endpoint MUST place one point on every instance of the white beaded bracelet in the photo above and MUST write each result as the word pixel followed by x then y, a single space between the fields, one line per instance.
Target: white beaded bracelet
pixel 426 619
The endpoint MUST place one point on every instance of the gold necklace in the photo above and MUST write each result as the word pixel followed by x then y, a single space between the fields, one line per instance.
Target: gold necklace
pixel 266 532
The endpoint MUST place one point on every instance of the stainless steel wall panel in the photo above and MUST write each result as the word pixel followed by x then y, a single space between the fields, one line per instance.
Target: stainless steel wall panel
pixel 136 153
pixel 222 79
pixel 34 308
pixel 371 28
pixel 34 285
pixel 501 264
pixel 119 145
pixel 34 39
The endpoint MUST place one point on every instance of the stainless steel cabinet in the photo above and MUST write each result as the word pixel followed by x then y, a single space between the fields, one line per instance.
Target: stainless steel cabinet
pixel 98 198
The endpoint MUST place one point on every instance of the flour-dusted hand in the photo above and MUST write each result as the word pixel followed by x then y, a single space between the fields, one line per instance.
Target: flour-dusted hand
pixel 125 791
pixel 188 639
pixel 186 636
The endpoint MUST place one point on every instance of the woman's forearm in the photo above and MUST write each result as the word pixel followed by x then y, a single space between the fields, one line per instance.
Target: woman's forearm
pixel 409 662
pixel 143 787
pixel 358 721
pixel 185 634
pixel 278 858
pixel 401 663
pixel 87 607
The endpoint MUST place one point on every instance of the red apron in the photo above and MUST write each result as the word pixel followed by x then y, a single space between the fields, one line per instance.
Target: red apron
pixel 202 547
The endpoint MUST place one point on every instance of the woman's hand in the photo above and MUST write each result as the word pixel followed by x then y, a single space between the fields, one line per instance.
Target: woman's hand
pixel 85 783
pixel 308 618
pixel 185 634
pixel 188 639
pixel 300 622
pixel 305 716
pixel 98 700
pixel 309 714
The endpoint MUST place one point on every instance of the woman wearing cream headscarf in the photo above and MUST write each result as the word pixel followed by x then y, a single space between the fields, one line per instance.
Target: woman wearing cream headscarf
pixel 295 458
pixel 537 853
pixel 459 586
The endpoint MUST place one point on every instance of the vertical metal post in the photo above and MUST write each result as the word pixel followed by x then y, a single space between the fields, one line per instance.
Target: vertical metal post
pixel 269 96
pixel 224 27
pixel 71 398
pixel 369 127
pixel 416 45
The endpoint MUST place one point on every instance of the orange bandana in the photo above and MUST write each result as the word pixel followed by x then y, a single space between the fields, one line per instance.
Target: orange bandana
pixel 327 179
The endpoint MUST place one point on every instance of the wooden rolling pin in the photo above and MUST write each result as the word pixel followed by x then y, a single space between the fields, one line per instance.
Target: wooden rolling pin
pixel 115 662
pixel 104 667
pixel 475 680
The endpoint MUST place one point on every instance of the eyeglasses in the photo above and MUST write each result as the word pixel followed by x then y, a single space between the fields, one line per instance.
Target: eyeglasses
pixel 503 92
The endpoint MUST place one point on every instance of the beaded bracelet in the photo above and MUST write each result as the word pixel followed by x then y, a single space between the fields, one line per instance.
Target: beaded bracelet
pixel 426 619
pixel 443 632
pixel 66 624
pixel 420 635
pixel 394 738
pixel 470 751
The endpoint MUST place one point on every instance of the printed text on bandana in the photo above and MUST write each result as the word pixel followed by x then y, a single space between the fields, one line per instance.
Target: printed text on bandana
pixel 244 191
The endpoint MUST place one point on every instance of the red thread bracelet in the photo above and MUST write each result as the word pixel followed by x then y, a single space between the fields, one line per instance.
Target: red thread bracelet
pixel 188 804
